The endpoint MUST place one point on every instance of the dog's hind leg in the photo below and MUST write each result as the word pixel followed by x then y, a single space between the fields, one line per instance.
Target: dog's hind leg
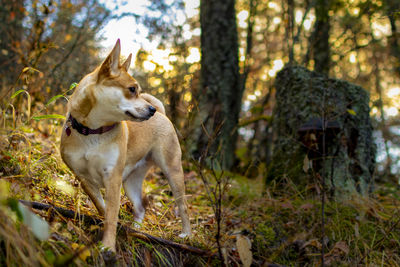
pixel 133 188
pixel 169 160
pixel 95 195
pixel 176 181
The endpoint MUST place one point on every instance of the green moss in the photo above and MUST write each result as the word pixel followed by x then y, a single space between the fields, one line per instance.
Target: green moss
pixel 266 233
pixel 268 237
pixel 304 96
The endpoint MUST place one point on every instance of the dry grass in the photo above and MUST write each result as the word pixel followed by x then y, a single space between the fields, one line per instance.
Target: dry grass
pixel 283 225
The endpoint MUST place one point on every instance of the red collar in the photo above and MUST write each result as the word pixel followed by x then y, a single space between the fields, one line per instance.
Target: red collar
pixel 80 128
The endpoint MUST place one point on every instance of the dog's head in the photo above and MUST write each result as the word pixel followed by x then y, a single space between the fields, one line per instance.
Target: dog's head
pixel 110 92
pixel 118 91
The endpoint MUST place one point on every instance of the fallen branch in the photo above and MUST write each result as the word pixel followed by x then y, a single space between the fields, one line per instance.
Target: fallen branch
pixel 63 212
pixel 140 235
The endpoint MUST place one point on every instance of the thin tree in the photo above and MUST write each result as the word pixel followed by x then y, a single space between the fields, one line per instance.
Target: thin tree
pixel 220 95
pixel 319 49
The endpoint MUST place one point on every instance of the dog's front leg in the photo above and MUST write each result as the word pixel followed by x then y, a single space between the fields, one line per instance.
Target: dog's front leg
pixel 112 198
pixel 94 194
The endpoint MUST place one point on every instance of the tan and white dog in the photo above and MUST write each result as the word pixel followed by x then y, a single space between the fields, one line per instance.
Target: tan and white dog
pixel 113 135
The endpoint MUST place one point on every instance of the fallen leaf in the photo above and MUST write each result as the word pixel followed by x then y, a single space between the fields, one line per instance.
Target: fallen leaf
pixel 312 242
pixel 356 230
pixel 243 245
pixel 74 246
pixel 307 206
pixel 85 253
pixel 4 189
pixel 306 164
pixel 40 228
pixel 341 246
pixel 94 227
pixel 147 258
pixel 225 255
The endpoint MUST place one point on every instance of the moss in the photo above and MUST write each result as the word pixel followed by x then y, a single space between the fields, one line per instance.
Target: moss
pixel 303 96
pixel 285 165
pixel 266 233
pixel 269 237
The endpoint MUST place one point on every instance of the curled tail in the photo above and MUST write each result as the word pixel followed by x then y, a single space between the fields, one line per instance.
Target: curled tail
pixel 154 102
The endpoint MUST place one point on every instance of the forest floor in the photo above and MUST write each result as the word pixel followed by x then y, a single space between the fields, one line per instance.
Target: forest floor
pixel 282 226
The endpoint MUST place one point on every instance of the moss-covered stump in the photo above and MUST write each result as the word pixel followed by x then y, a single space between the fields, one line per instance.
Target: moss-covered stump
pixel 322 129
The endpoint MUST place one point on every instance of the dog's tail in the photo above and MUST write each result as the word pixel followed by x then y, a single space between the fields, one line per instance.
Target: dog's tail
pixel 154 102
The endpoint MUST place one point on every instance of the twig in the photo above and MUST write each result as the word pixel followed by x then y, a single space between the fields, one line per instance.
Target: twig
pixel 324 124
pixel 214 195
pixel 140 235
pixel 161 241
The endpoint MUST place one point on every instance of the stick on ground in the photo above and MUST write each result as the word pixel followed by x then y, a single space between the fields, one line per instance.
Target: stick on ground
pixel 140 235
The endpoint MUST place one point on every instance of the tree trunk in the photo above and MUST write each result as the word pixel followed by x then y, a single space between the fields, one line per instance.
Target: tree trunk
pixel 322 126
pixel 320 48
pixel 11 16
pixel 219 99
pixel 393 6
pixel 290 29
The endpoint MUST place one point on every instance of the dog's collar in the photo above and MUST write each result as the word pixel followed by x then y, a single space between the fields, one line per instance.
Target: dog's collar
pixel 82 129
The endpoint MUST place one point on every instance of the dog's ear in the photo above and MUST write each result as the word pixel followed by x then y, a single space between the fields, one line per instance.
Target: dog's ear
pixel 110 66
pixel 127 63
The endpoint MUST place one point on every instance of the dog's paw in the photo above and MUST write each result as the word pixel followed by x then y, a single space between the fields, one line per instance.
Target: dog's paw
pixel 137 225
pixel 137 222
pixel 184 235
pixel 109 256
pixel 138 219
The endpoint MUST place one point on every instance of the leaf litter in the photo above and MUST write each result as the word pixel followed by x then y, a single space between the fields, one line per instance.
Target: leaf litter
pixel 280 226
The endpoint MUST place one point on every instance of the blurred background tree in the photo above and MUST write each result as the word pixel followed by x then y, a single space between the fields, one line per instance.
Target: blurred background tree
pixel 11 16
pixel 219 96
pixel 217 65
pixel 345 39
pixel 57 40
pixel 357 41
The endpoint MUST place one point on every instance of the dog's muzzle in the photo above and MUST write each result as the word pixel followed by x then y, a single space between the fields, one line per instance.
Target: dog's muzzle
pixel 151 110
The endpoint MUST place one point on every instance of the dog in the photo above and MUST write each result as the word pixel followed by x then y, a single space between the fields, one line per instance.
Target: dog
pixel 113 134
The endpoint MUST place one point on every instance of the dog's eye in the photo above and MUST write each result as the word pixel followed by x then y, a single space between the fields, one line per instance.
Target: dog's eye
pixel 133 89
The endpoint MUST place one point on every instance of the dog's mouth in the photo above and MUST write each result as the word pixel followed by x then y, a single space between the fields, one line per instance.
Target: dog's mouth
pixel 134 118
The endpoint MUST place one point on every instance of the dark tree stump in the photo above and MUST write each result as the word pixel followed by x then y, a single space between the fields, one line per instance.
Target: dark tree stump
pixel 312 110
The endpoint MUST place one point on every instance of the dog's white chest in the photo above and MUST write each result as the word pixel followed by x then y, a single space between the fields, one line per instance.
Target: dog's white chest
pixel 93 162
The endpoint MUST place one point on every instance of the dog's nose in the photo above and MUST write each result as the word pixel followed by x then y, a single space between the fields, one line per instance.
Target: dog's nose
pixel 152 110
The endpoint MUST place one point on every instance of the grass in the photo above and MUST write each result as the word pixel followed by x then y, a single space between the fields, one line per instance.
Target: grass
pixel 283 225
